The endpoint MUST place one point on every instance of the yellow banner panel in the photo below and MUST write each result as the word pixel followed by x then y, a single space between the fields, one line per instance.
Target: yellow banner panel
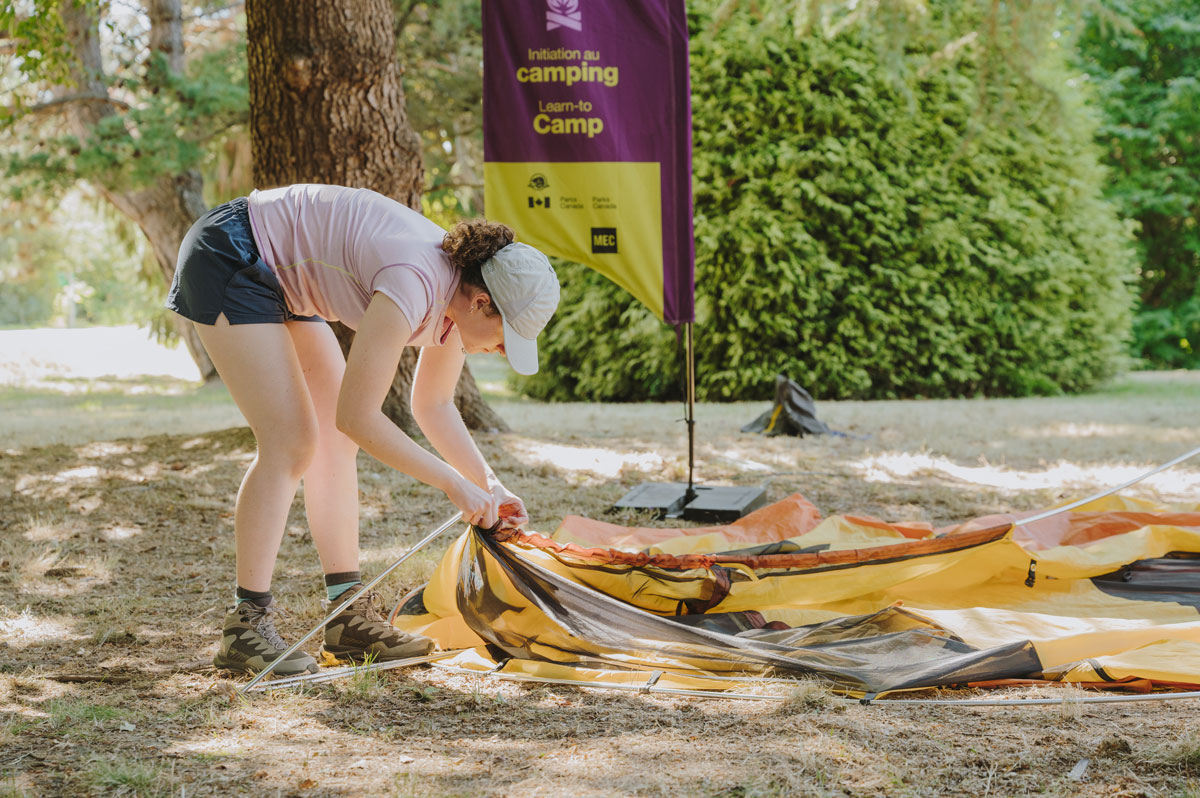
pixel 606 215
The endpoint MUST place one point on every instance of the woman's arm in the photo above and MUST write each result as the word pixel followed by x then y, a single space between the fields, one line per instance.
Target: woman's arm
pixel 432 403
pixel 374 356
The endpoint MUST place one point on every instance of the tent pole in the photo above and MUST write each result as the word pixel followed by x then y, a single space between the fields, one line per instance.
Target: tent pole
pixel 361 591
pixel 690 394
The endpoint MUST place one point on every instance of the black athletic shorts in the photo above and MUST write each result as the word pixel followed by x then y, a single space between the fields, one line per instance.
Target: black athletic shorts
pixel 220 270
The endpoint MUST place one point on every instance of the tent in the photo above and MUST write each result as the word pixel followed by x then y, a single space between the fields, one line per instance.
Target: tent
pixel 1105 595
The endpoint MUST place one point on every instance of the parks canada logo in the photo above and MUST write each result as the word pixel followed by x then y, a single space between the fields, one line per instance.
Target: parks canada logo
pixel 538 182
pixel 563 14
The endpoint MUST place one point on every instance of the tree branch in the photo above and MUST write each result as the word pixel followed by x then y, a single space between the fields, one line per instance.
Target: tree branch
pixel 213 11
pixel 75 99
pixel 402 17
pixel 234 121
pixel 166 32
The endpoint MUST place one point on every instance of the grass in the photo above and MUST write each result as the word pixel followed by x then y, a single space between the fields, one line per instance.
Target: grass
pixel 10 789
pixel 124 777
pixel 364 684
pixel 809 695
pixel 116 558
pixel 74 413
pixel 14 726
pixel 76 716
pixel 1072 708
pixel 1184 752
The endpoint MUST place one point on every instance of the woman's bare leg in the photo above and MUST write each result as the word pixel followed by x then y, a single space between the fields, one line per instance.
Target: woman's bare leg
pixel 331 481
pixel 260 368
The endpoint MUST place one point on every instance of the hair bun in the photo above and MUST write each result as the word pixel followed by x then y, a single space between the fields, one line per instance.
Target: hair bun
pixel 471 243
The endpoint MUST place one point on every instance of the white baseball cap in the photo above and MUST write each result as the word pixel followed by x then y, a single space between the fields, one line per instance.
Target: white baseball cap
pixel 524 288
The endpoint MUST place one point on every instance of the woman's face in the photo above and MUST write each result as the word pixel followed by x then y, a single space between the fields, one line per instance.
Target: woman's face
pixel 481 328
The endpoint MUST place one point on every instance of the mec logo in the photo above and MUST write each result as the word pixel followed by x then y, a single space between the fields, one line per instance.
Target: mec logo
pixel 604 239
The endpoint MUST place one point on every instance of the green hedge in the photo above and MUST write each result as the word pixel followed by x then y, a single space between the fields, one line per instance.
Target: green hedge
pixel 868 236
pixel 1146 79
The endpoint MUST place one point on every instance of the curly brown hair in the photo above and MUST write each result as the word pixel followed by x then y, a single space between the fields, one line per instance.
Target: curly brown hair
pixel 470 244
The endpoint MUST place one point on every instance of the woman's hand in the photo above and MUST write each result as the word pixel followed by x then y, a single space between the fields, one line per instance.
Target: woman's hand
pixel 479 507
pixel 510 507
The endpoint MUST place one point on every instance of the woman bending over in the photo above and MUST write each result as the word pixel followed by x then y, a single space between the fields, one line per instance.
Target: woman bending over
pixel 259 277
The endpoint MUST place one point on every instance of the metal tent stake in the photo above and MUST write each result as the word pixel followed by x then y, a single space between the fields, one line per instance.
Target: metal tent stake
pixel 362 591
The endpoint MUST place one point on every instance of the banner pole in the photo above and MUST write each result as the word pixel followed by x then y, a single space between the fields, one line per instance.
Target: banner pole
pixel 690 393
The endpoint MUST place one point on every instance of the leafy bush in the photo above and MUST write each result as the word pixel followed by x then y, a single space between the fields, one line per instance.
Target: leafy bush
pixel 79 254
pixel 1169 337
pixel 868 235
pixel 1146 75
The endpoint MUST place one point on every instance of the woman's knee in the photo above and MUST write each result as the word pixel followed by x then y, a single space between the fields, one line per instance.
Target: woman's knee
pixel 291 447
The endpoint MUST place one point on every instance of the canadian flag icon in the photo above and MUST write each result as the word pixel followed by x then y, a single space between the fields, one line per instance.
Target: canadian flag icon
pixel 539 202
pixel 563 14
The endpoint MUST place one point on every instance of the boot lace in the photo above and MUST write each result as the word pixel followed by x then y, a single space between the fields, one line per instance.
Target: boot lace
pixel 369 605
pixel 263 622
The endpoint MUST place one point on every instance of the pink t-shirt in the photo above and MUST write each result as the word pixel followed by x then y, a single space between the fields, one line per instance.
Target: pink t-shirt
pixel 333 247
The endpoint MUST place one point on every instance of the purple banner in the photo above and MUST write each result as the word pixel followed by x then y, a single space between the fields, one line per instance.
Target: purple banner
pixel 587 138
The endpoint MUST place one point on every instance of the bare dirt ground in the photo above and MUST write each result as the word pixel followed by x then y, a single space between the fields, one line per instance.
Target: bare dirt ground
pixel 116 563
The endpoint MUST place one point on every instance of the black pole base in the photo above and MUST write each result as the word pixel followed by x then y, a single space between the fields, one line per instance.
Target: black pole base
pixel 711 503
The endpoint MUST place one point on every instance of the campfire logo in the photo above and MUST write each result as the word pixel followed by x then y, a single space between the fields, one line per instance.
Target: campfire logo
pixel 563 14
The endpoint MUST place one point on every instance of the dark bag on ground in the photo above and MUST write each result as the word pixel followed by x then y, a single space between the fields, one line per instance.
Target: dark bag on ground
pixel 794 413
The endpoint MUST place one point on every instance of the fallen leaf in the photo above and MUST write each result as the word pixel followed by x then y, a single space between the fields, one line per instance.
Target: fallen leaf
pixel 307 784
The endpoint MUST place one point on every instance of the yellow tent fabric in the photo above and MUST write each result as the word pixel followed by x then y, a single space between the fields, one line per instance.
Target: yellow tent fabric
pixel 1107 593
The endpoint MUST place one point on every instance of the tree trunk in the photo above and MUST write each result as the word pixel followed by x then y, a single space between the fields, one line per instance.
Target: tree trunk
pixel 165 209
pixel 326 106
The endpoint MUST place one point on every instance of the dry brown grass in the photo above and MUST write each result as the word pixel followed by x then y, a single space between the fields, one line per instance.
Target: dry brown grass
pixel 116 559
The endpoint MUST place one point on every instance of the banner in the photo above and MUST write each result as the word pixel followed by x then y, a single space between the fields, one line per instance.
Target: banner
pixel 587 138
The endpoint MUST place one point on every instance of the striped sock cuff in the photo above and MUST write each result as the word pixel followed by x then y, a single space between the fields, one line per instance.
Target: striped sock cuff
pixel 337 584
pixel 259 597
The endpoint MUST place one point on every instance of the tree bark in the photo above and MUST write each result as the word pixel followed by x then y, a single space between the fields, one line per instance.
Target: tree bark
pixel 327 106
pixel 165 209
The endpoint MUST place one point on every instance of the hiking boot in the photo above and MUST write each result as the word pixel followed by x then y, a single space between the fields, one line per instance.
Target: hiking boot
pixel 360 631
pixel 250 643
